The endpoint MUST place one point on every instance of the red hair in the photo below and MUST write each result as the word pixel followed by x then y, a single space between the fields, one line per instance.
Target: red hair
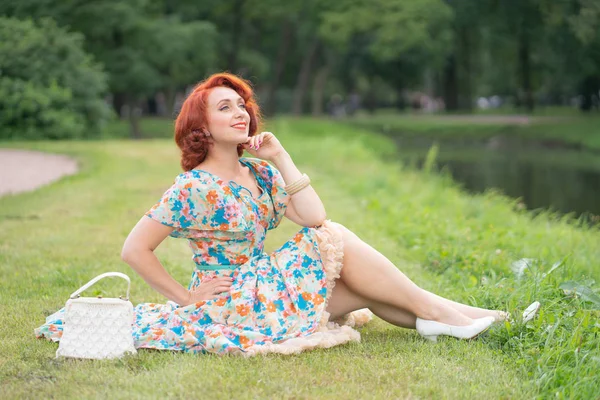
pixel 192 121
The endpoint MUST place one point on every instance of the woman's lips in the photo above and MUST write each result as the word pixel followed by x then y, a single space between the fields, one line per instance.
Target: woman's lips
pixel 241 127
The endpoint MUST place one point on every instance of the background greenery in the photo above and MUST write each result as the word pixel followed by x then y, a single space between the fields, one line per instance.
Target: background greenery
pixel 298 53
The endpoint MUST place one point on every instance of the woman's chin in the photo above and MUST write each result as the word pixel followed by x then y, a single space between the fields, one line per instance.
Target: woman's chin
pixel 241 138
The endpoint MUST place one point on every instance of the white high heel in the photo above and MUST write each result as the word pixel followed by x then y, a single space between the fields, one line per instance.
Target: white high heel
pixel 432 329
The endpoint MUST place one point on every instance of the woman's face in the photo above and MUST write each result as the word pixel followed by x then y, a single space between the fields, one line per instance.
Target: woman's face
pixel 228 120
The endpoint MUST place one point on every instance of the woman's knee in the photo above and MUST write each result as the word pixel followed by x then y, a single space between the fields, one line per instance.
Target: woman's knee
pixel 347 234
pixel 343 300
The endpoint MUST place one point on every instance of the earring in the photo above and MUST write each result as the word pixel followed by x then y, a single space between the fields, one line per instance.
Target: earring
pixel 207 133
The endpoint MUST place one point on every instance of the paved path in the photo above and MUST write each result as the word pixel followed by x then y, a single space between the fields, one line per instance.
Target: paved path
pixel 25 170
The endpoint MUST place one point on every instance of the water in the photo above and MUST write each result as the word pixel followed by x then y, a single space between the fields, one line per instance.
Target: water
pixel 558 179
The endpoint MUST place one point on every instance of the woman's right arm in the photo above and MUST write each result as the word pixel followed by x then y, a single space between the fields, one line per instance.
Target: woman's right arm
pixel 138 252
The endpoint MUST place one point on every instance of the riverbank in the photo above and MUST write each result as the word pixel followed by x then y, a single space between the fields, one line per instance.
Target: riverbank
pixel 458 245
pixel 561 131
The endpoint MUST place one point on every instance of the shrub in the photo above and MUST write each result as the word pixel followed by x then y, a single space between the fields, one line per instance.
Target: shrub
pixel 49 87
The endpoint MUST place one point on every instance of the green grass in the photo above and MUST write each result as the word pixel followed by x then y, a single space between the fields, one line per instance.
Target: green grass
pixel 460 246
pixel 579 131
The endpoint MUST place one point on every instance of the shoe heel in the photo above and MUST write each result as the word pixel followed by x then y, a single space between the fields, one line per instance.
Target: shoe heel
pixel 433 338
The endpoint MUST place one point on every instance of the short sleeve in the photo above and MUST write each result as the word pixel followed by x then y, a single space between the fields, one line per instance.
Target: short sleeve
pixel 276 187
pixel 181 207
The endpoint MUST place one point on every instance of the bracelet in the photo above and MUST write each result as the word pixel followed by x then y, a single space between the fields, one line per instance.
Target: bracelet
pixel 297 186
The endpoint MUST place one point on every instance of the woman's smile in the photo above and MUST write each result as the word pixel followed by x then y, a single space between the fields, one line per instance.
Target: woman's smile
pixel 240 126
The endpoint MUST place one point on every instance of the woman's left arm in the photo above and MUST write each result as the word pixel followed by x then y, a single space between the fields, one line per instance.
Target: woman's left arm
pixel 305 207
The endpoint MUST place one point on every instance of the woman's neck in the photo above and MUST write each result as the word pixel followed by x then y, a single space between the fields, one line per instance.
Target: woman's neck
pixel 223 162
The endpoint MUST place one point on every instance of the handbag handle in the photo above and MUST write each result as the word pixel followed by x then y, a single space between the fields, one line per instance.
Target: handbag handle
pixel 96 279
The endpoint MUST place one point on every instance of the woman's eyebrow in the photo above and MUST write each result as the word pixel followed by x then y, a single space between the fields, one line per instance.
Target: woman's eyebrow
pixel 220 101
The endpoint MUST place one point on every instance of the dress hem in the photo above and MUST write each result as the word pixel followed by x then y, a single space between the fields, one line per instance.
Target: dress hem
pixel 328 333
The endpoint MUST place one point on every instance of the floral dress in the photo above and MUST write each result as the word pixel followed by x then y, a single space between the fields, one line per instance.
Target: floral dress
pixel 277 300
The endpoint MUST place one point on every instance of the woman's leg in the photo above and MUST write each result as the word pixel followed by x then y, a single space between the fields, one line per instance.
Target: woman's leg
pixel 343 301
pixel 470 311
pixel 370 275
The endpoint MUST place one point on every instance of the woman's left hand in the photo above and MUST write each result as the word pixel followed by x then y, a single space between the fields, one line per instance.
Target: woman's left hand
pixel 264 145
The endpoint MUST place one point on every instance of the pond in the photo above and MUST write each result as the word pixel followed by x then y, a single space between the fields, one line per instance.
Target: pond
pixel 542 176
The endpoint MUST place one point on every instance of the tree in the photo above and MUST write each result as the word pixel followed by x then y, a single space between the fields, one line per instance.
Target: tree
pixel 585 24
pixel 143 49
pixel 49 87
pixel 392 40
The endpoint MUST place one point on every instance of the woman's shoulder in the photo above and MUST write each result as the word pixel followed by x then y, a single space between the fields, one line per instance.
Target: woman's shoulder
pixel 266 170
pixel 193 186
pixel 196 178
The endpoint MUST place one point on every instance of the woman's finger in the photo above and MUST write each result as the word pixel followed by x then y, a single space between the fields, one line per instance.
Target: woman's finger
pixel 215 284
pixel 262 138
pixel 223 284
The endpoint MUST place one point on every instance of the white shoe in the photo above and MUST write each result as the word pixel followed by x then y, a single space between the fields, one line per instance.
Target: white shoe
pixel 531 311
pixel 432 329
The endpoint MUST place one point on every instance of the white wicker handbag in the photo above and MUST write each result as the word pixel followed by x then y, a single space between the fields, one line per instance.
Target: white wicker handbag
pixel 97 327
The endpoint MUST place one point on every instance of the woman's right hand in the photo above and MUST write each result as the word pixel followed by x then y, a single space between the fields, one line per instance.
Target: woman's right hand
pixel 209 290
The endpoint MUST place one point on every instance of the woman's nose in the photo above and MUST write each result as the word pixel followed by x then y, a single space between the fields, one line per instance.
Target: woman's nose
pixel 239 111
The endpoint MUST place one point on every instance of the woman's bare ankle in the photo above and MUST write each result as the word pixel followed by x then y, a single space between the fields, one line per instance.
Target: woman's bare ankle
pixel 446 315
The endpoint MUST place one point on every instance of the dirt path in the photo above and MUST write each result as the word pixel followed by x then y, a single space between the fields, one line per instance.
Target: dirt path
pixel 25 170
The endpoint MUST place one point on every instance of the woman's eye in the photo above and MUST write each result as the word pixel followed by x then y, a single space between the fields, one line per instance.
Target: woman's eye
pixel 243 105
pixel 222 108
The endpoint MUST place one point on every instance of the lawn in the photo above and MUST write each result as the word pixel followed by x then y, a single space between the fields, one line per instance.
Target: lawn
pixel 458 245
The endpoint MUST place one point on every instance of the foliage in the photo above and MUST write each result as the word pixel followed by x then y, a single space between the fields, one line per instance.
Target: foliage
pixel 34 112
pixel 302 54
pixel 49 87
pixel 394 28
pixel 144 49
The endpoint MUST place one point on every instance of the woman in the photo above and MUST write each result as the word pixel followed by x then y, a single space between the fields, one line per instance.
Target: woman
pixel 242 300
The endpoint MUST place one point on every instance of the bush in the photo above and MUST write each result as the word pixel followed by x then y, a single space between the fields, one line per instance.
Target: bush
pixel 49 87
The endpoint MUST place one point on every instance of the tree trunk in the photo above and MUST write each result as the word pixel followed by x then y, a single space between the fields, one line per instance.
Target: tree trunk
pixel 170 94
pixel 450 84
pixel 134 119
pixel 525 69
pixel 284 45
pixel 467 95
pixel 370 101
pixel 118 102
pixel 161 104
pixel 589 88
pixel 318 90
pixel 304 77
pixel 400 101
pixel 236 34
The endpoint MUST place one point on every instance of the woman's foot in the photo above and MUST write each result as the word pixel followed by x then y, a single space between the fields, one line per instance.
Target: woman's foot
pixel 432 329
pixel 501 316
